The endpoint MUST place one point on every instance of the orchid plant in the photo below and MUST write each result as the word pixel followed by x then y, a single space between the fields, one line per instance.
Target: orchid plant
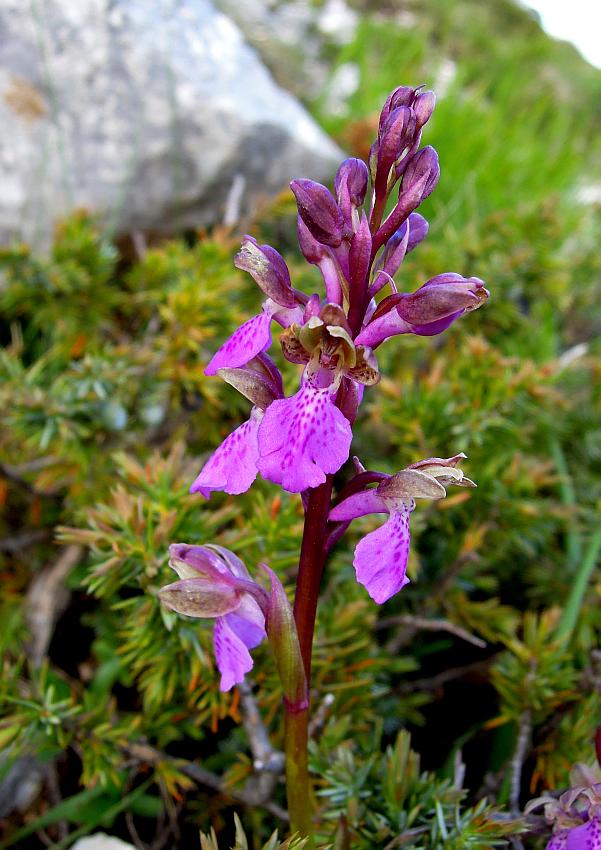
pixel 302 441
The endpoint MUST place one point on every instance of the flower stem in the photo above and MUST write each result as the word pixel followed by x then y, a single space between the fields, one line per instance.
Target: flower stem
pixel 310 568
pixel 312 561
pixel 298 787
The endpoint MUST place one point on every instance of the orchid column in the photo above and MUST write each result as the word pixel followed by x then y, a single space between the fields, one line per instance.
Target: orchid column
pixel 300 442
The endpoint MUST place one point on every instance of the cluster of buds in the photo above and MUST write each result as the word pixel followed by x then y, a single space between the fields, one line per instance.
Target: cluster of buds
pixel 300 440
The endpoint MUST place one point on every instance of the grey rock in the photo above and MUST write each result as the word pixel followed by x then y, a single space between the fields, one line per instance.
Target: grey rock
pixel 292 37
pixel 157 116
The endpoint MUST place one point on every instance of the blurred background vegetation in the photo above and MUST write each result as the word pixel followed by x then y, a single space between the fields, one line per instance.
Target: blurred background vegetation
pixel 477 687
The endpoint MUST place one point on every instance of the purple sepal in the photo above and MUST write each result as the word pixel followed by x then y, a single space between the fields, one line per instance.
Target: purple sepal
pixel 434 328
pixel 201 597
pixel 251 338
pixel 259 380
pixel 381 557
pixel 284 316
pixel 232 468
pixel 359 504
pixel 302 439
pixel 268 269
pixel 383 327
pixel 410 197
pixel 319 211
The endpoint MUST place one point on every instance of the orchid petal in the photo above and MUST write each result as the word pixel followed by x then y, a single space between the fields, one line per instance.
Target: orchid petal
pixel 585 837
pixel 359 504
pixel 200 597
pixel 250 339
pixel 194 561
pixel 559 841
pixel 250 611
pixel 285 316
pixel 233 466
pixel 250 633
pixel 437 327
pixel 303 438
pixel 231 653
pixel 381 557
pixel 390 324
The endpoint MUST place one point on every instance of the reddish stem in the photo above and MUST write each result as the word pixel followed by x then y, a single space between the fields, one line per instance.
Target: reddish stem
pixel 310 569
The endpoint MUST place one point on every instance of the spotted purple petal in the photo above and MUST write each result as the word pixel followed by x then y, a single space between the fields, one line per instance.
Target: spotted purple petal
pixel 558 841
pixel 250 339
pixel 303 438
pixel 233 466
pixel 359 504
pixel 585 837
pixel 381 557
pixel 231 653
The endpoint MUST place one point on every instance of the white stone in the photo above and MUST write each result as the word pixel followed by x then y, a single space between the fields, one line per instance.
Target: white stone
pixel 143 113
pixel 101 841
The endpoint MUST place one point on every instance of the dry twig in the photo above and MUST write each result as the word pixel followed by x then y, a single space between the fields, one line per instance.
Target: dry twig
pixel 413 623
pixel 150 755
pixel 268 762
pixel 46 599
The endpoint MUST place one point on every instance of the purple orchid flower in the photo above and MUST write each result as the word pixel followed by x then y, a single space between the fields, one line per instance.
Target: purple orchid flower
pixel 381 556
pixel 576 815
pixel 215 583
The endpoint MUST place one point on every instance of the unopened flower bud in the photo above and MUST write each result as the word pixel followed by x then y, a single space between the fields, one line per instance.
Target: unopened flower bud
pixel 423 106
pixel 350 183
pixel 283 637
pixel 396 135
pixel 319 211
pixel 442 296
pixel 422 164
pixel 402 241
pixel 401 96
pixel 268 269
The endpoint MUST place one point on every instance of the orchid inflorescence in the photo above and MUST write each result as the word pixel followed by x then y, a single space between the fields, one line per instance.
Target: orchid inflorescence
pixel 301 441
